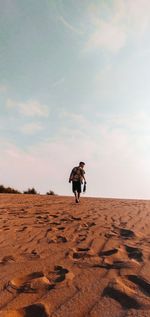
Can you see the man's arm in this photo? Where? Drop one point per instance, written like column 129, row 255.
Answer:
column 84, row 176
column 84, row 179
column 71, row 175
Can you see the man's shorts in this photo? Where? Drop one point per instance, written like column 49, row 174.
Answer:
column 76, row 187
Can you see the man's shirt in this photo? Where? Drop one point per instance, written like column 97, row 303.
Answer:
column 77, row 174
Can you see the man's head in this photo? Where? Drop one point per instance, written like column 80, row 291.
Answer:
column 81, row 164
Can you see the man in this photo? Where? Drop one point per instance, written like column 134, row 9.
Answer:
column 77, row 177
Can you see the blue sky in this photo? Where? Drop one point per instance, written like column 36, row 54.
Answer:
column 74, row 85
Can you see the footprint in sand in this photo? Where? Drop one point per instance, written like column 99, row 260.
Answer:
column 81, row 237
column 37, row 282
column 47, row 231
column 115, row 265
column 22, row 229
column 122, row 223
column 61, row 239
column 33, row 255
column 79, row 253
column 60, row 274
column 143, row 284
column 35, row 310
column 57, row 239
column 115, row 258
column 86, row 226
column 75, row 218
column 42, row 219
column 126, row 233
column 108, row 252
column 65, row 220
column 5, row 228
column 134, row 253
column 110, row 234
column 31, row 283
column 7, row 259
column 54, row 216
column 125, row 295
column 55, row 223
column 61, row 228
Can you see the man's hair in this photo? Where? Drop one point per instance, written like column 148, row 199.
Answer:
column 81, row 163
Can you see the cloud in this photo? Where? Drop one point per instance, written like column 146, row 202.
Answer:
column 58, row 82
column 30, row 108
column 31, row 128
column 111, row 26
column 10, row 103
column 3, row 88
column 108, row 36
column 139, row 121
column 115, row 150
column 75, row 118
column 69, row 25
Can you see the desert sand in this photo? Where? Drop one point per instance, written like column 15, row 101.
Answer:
column 62, row 259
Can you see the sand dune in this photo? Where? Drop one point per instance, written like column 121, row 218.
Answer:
column 62, row 259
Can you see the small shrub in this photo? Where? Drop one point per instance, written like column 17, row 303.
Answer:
column 8, row 190
column 31, row 191
column 50, row 192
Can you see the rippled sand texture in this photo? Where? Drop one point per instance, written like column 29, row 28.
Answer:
column 62, row 259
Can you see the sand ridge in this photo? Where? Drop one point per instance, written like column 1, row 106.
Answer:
column 58, row 258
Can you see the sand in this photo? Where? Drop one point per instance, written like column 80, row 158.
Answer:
column 62, row 259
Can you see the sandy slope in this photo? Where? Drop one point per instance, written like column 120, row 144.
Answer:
column 58, row 258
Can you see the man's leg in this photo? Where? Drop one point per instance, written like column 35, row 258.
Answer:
column 74, row 190
column 76, row 196
column 79, row 191
column 76, row 186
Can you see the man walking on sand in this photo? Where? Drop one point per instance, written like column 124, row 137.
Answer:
column 77, row 177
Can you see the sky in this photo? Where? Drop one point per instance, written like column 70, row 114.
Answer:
column 74, row 86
